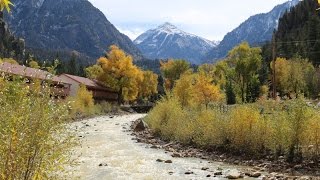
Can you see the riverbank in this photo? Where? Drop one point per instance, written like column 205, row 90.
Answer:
column 107, row 150
column 278, row 169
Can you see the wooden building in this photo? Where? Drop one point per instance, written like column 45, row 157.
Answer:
column 99, row 92
column 59, row 87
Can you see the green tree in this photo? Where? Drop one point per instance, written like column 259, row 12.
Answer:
column 93, row 72
column 34, row 64
column 247, row 62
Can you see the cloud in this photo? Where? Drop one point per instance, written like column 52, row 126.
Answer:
column 132, row 33
column 208, row 18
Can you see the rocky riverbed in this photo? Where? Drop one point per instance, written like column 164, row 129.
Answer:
column 266, row 168
column 108, row 149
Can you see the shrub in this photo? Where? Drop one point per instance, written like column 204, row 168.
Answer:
column 244, row 127
column 82, row 104
column 166, row 117
column 34, row 140
column 290, row 128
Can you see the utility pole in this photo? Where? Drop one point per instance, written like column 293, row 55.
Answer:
column 274, row 89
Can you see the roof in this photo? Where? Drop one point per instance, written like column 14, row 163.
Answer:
column 29, row 72
column 88, row 82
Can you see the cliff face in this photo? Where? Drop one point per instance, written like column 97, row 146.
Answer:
column 10, row 46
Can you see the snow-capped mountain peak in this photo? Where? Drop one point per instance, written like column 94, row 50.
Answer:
column 168, row 41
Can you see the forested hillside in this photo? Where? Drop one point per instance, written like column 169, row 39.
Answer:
column 298, row 33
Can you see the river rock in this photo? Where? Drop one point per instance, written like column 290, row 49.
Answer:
column 204, row 168
column 305, row 178
column 234, row 174
column 154, row 147
column 141, row 126
column 159, row 160
column 103, row 164
column 255, row 174
column 176, row 155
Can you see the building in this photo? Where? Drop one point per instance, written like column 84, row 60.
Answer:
column 59, row 87
column 99, row 92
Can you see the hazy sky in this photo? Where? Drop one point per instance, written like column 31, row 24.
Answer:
column 211, row 19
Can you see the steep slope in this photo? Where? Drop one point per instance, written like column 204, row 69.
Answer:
column 256, row 30
column 299, row 32
column 167, row 41
column 10, row 46
column 67, row 25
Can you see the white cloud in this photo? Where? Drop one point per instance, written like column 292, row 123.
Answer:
column 132, row 33
column 208, row 18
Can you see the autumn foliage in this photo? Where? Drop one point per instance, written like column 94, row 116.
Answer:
column 5, row 4
column 34, row 140
column 118, row 72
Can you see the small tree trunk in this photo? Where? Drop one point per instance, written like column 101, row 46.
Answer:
column 120, row 97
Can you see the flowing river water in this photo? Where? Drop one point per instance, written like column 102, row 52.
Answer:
column 107, row 151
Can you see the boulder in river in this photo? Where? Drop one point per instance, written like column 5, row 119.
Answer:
column 234, row 174
column 140, row 126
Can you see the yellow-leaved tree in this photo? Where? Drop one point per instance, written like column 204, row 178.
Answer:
column 183, row 89
column 5, row 4
column 149, row 85
column 205, row 91
column 118, row 72
column 172, row 70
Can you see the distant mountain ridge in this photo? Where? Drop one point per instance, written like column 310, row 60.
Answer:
column 256, row 30
column 66, row 25
column 167, row 41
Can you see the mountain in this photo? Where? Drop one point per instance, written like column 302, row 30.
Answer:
column 256, row 30
column 167, row 41
column 66, row 25
column 10, row 46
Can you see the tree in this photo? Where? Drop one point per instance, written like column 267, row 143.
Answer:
column 149, row 84
column 230, row 94
column 282, row 70
column 94, row 71
column 172, row 70
column 5, row 4
column 53, row 67
column 204, row 91
column 247, row 62
column 295, row 76
column 183, row 89
column 34, row 64
column 120, row 74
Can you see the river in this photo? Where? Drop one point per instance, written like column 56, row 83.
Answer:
column 107, row 151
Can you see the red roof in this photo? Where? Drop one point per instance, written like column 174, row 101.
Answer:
column 29, row 72
column 88, row 82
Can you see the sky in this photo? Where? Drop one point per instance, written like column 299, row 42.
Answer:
column 211, row 19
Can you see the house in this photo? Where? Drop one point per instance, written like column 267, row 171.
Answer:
column 59, row 87
column 99, row 92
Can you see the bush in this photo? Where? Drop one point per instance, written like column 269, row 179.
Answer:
column 34, row 140
column 290, row 129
